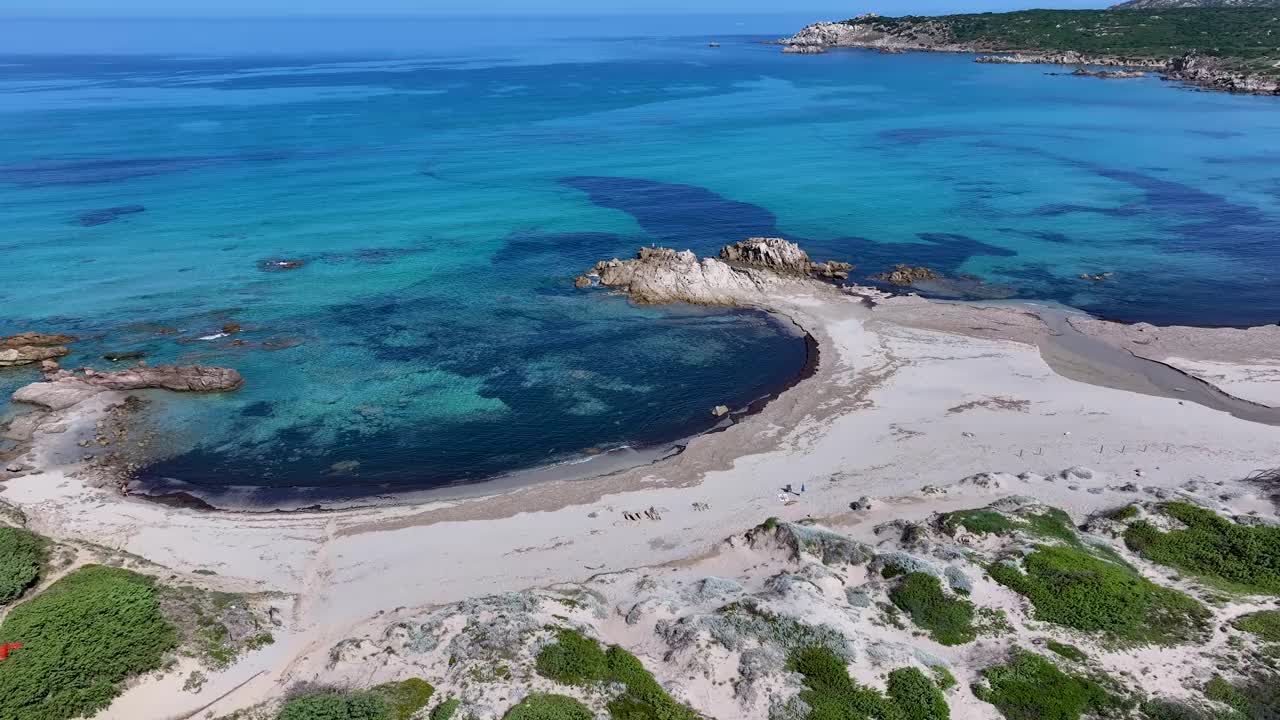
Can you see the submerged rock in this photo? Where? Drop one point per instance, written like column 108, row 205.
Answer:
column 904, row 275
column 106, row 215
column 279, row 264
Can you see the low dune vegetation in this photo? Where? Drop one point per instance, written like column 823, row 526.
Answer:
column 1242, row 558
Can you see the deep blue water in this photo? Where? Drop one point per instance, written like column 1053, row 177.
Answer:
column 444, row 191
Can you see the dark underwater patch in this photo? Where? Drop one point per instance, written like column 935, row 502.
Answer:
column 686, row 216
column 103, row 216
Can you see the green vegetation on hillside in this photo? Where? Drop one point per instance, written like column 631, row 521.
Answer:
column 81, row 638
column 1238, row 557
column 1264, row 623
column 1248, row 35
column 22, row 559
column 575, row 659
column 832, row 695
column 1071, row 587
column 948, row 619
column 546, row 706
column 389, row 701
column 1030, row 687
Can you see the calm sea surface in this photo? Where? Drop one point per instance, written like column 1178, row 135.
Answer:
column 444, row 180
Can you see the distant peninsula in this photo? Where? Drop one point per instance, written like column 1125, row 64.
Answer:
column 1226, row 47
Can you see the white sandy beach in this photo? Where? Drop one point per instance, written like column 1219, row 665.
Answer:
column 898, row 404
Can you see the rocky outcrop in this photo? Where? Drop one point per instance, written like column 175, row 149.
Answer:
column 869, row 31
column 745, row 272
column 1109, row 74
column 180, row 378
column 804, row 50
column 62, row 389
column 904, row 275
column 1211, row 73
column 1068, row 58
column 31, row 347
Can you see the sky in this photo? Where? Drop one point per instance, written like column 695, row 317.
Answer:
column 250, row 8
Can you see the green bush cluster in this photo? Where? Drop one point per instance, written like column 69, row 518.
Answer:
column 22, row 559
column 389, row 701
column 948, row 619
column 1030, row 687
column 1264, row 623
column 546, row 706
column 981, row 522
column 1238, row 557
column 1071, row 587
column 81, row 638
column 1067, row 650
column 335, row 705
column 1253, row 697
column 832, row 695
column 575, row 659
column 446, row 709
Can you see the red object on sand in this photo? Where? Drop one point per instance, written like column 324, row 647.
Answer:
column 5, row 648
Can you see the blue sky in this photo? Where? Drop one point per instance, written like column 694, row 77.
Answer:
column 241, row 8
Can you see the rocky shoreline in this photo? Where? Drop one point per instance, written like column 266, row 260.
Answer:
column 868, row 32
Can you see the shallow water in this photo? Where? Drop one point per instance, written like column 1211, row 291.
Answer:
column 444, row 196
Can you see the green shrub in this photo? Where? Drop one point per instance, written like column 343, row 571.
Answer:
column 1128, row 512
column 1066, row 650
column 446, row 709
column 949, row 620
column 1238, row 557
column 981, row 522
column 945, row 679
column 1173, row 710
column 406, row 697
column 22, row 558
column 1219, row 690
column 572, row 660
column 335, row 705
column 545, row 706
column 916, row 696
column 1030, row 687
column 577, row 660
column 81, row 638
column 1071, row 587
column 832, row 695
column 1264, row 623
column 1053, row 523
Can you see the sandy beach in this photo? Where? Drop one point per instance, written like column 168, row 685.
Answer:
column 909, row 400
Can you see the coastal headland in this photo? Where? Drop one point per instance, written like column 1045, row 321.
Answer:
column 1230, row 49
column 806, row 527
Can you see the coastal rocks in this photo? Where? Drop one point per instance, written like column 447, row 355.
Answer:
column 804, row 50
column 58, row 395
column 179, row 378
column 1096, row 277
column 720, row 410
column 904, row 275
column 870, row 31
column 31, row 347
column 783, row 257
column 1070, row 57
column 1210, row 73
column 749, row 270
column 1109, row 74
column 105, row 215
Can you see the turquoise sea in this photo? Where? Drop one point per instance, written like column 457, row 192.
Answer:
column 444, row 180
